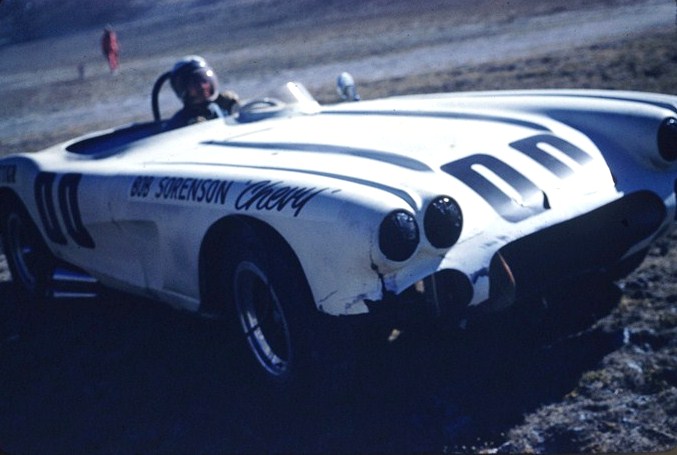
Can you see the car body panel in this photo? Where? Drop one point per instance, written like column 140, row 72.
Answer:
column 132, row 207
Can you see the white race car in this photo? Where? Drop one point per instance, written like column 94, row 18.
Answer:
column 289, row 214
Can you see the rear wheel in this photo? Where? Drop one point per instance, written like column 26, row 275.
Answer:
column 29, row 260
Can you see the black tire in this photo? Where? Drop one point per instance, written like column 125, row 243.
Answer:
column 30, row 261
column 288, row 345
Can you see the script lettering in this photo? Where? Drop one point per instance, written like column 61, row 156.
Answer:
column 267, row 195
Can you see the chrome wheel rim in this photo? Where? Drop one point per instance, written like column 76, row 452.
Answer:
column 262, row 319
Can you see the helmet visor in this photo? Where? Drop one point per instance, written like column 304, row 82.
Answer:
column 201, row 87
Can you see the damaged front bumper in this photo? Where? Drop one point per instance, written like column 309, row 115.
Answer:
column 609, row 242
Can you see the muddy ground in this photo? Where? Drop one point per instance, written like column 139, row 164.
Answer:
column 119, row 374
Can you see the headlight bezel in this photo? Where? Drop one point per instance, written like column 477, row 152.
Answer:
column 399, row 235
column 443, row 222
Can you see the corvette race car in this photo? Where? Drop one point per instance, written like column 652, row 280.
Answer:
column 289, row 217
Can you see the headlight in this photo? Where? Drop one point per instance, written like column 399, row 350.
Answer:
column 443, row 222
column 667, row 139
column 398, row 235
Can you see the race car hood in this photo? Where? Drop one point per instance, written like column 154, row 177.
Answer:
column 554, row 141
column 403, row 145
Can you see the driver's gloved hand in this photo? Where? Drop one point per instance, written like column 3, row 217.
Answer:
column 228, row 101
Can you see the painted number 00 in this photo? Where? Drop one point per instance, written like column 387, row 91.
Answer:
column 67, row 197
column 533, row 199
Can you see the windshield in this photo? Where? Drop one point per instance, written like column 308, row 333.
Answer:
column 294, row 93
column 290, row 99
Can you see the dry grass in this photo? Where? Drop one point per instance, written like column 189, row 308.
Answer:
column 647, row 64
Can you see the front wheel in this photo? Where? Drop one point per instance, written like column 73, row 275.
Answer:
column 287, row 342
column 263, row 320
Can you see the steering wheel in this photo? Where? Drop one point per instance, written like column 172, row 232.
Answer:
column 262, row 104
column 260, row 109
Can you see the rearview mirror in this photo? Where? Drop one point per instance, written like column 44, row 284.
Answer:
column 345, row 86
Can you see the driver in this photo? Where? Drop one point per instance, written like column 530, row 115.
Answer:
column 197, row 86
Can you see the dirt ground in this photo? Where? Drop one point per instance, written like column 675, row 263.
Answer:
column 121, row 374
